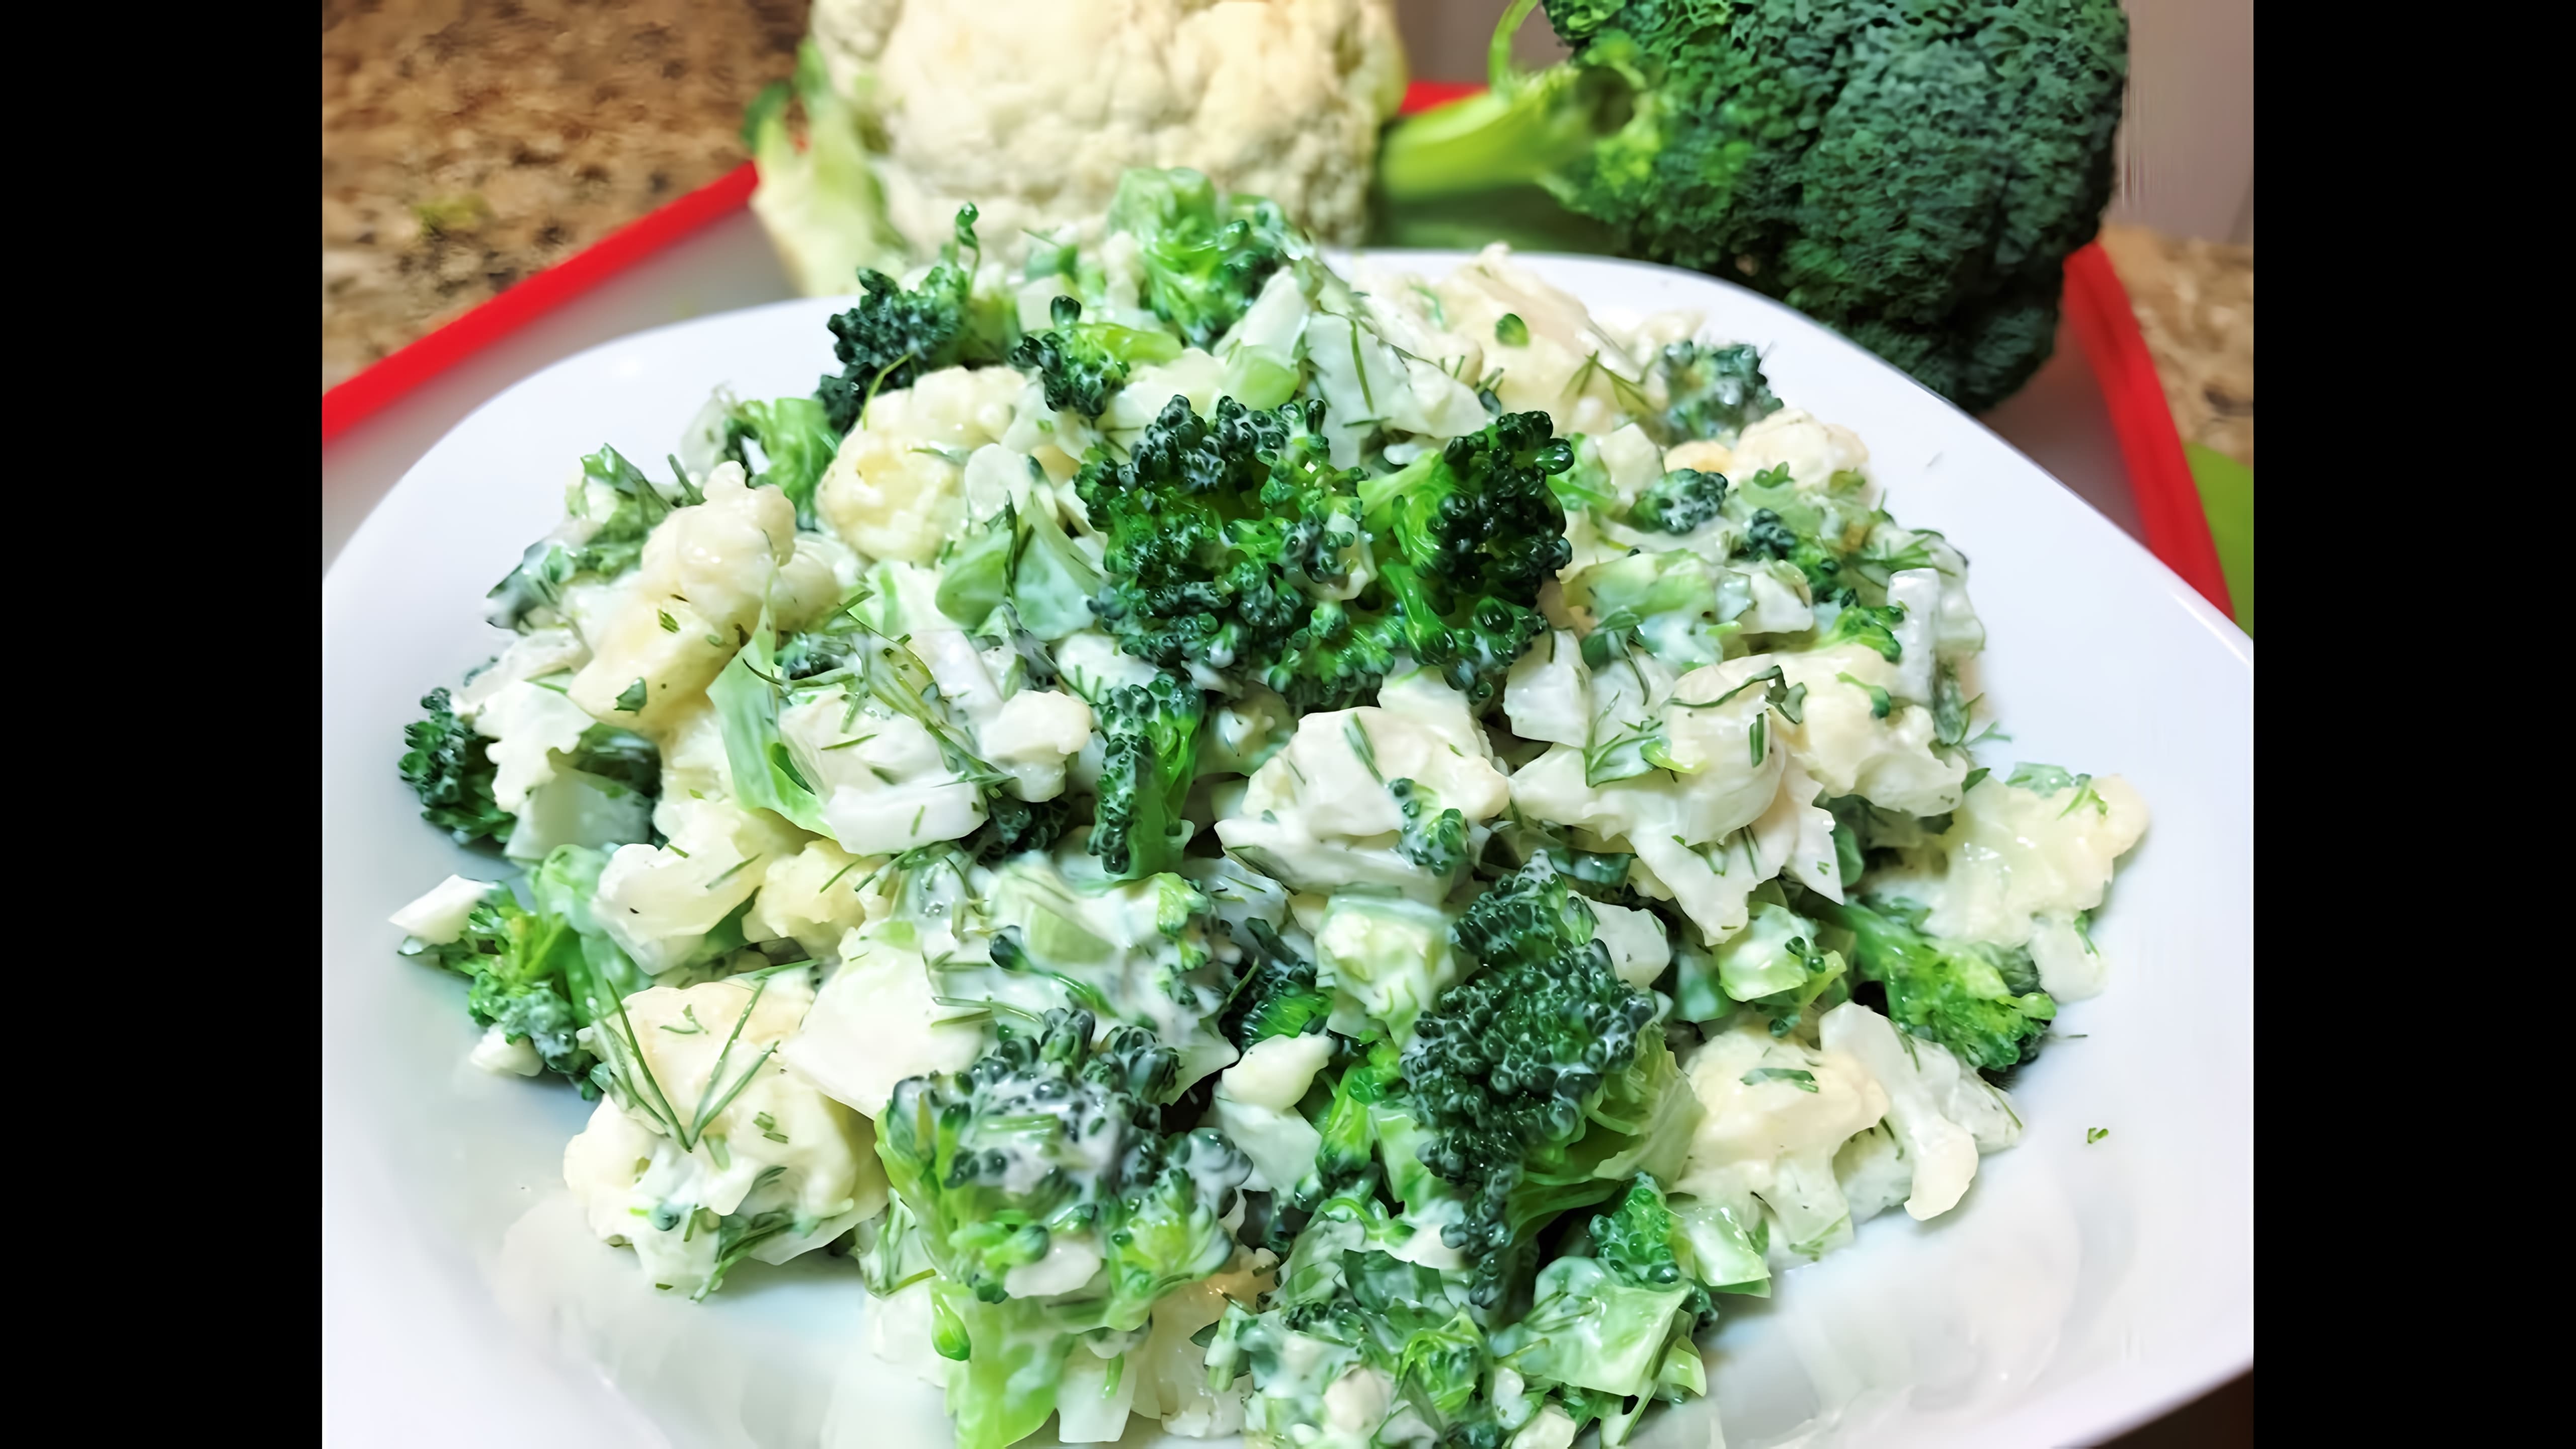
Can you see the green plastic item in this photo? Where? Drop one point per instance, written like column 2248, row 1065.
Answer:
column 2227, row 496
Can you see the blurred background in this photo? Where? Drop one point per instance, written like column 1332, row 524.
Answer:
column 469, row 143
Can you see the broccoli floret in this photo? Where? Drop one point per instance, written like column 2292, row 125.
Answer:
column 1711, row 392
column 1205, row 258
column 448, row 766
column 634, row 503
column 894, row 336
column 1214, row 528
column 1982, row 1002
column 1227, row 537
column 1912, row 176
column 1276, row 994
column 1435, row 840
column 1873, row 626
column 540, row 975
column 796, row 441
column 1640, row 1241
column 1012, row 826
column 1678, row 502
column 1506, row 1069
column 1149, row 751
column 1081, row 363
column 1465, row 537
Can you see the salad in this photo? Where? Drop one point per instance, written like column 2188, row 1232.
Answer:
column 1343, row 859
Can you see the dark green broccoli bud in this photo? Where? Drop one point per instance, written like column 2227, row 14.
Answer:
column 1205, row 259
column 1149, row 755
column 1680, row 501
column 1713, row 392
column 893, row 336
column 1465, row 537
column 612, row 547
column 1050, row 1135
column 1507, row 1068
column 1276, row 994
column 1012, row 826
column 1912, row 176
column 449, row 768
column 1435, row 840
column 1865, row 624
column 1081, row 363
column 1982, row 1002
column 1640, row 1241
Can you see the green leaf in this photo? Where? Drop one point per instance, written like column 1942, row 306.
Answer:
column 631, row 699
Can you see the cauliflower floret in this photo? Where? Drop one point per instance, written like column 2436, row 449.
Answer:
column 533, row 655
column 896, row 488
column 1321, row 814
column 658, row 902
column 1889, row 762
column 1279, row 98
column 777, row 1144
column 875, row 1023
column 528, row 725
column 1564, row 340
column 1776, row 1112
column 1943, row 1114
column 2023, row 863
column 817, row 896
column 706, row 571
column 1814, row 451
column 1033, row 735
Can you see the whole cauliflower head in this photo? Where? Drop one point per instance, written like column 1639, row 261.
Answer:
column 1032, row 110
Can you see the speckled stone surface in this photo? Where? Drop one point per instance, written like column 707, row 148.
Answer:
column 467, row 143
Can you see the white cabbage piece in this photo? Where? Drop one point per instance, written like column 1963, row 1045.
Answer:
column 437, row 918
column 875, row 1022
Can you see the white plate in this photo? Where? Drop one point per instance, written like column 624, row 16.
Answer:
column 2079, row 1289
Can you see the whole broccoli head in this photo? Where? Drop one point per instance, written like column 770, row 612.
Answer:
column 1913, row 176
column 1508, row 1067
column 449, row 767
column 1149, row 754
column 1051, row 1140
column 1081, row 363
column 893, row 336
column 1982, row 1002
column 1205, row 258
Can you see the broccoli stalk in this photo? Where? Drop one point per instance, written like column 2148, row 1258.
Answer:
column 1912, row 176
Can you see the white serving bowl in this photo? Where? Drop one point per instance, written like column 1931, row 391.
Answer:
column 2078, row 1290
